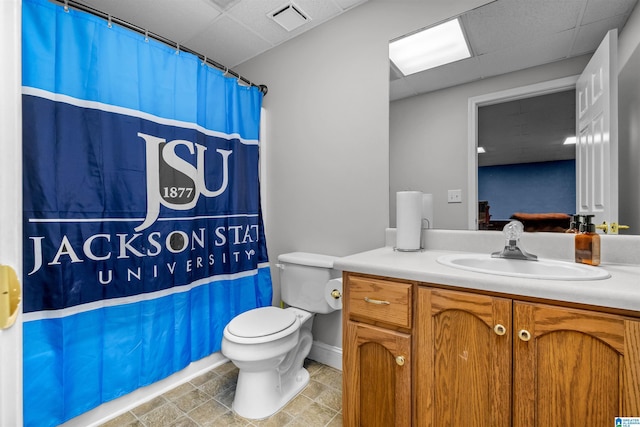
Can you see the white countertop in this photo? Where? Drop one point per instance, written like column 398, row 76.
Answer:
column 621, row 290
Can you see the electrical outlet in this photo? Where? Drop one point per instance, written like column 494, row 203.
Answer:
column 455, row 196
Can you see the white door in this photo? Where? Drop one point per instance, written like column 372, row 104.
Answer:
column 597, row 134
column 11, row 203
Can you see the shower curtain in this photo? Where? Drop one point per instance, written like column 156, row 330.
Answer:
column 143, row 234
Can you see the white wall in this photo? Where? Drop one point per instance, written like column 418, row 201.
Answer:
column 428, row 138
column 629, row 123
column 328, row 106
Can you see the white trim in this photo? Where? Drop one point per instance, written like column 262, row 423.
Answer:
column 475, row 102
column 96, row 305
column 263, row 164
column 326, row 354
column 190, row 218
column 57, row 97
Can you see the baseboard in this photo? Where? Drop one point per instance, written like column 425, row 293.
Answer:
column 326, row 354
column 114, row 408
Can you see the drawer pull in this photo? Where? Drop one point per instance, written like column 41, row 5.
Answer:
column 524, row 335
column 376, row 301
column 499, row 329
column 400, row 360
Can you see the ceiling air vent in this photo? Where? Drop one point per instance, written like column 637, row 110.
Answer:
column 289, row 17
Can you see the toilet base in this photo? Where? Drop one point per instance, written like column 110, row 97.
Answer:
column 260, row 395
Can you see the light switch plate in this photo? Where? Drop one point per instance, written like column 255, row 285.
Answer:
column 455, row 196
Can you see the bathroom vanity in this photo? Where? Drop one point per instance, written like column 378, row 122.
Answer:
column 426, row 344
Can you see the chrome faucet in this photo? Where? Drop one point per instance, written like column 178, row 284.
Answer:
column 512, row 232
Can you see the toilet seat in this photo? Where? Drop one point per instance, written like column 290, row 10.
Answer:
column 261, row 325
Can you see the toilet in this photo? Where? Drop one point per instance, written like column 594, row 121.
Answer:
column 269, row 344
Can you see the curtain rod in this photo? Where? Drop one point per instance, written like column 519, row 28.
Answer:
column 157, row 37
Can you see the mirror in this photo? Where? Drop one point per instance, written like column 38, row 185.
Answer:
column 428, row 111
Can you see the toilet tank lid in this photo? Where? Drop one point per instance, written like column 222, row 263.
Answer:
column 308, row 259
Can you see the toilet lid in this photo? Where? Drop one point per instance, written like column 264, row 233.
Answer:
column 261, row 322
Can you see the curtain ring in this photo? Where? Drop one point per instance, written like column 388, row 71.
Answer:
column 177, row 48
column 204, row 60
column 146, row 36
column 243, row 83
column 109, row 24
column 66, row 6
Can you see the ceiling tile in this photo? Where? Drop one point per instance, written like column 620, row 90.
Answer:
column 541, row 51
column 172, row 19
column 597, row 10
column 319, row 10
column 518, row 21
column 347, row 4
column 227, row 42
column 224, row 4
column 592, row 34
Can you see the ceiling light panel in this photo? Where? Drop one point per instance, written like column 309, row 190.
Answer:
column 430, row 48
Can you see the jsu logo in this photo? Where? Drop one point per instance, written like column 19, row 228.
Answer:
column 181, row 190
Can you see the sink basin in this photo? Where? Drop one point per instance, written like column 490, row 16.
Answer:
column 544, row 269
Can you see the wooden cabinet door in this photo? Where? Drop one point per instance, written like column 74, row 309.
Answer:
column 574, row 367
column 463, row 359
column 376, row 377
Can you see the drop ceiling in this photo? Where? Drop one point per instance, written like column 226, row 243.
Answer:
column 528, row 130
column 229, row 32
column 511, row 35
column 505, row 35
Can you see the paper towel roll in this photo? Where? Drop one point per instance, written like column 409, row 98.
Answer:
column 427, row 210
column 333, row 285
column 408, row 220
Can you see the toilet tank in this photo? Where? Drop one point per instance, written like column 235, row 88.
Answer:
column 303, row 277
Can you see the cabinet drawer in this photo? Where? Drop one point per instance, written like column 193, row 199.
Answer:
column 380, row 300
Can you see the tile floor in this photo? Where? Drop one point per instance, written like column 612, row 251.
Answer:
column 206, row 401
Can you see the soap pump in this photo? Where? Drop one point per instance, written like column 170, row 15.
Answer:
column 574, row 226
column 587, row 243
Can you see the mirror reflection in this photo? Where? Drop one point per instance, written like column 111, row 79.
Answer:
column 514, row 44
column 526, row 162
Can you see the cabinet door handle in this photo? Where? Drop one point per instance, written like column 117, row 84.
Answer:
column 524, row 335
column 376, row 301
column 499, row 329
column 400, row 360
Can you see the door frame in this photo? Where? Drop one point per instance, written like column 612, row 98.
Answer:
column 11, row 209
column 514, row 94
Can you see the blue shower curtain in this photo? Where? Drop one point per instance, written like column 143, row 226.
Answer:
column 143, row 234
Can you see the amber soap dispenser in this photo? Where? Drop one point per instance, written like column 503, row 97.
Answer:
column 574, row 227
column 587, row 243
